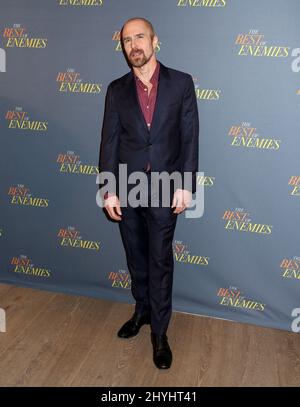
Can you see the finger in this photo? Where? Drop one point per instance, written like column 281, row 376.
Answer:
column 115, row 213
column 179, row 203
column 118, row 210
column 112, row 213
column 174, row 201
column 177, row 206
column 182, row 208
column 178, row 209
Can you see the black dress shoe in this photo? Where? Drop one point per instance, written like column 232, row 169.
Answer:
column 132, row 327
column 162, row 355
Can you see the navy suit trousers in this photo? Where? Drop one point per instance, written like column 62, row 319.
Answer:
column 147, row 234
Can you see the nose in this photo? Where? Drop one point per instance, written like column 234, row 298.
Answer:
column 133, row 44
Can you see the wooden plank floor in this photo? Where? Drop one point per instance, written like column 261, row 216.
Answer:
column 62, row 340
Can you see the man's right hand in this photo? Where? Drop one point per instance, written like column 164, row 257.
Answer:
column 113, row 207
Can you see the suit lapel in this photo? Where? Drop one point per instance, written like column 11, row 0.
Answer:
column 161, row 98
column 132, row 100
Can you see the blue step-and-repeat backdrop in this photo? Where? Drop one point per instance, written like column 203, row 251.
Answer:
column 239, row 261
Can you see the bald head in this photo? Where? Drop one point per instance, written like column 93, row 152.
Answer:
column 145, row 22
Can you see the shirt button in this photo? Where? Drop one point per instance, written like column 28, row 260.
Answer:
column 147, row 107
column 145, row 89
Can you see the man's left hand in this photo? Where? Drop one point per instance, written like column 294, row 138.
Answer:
column 181, row 200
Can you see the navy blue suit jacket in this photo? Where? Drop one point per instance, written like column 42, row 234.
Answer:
column 171, row 144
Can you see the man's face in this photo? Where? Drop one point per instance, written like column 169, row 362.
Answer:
column 137, row 42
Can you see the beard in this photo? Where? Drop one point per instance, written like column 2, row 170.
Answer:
column 138, row 58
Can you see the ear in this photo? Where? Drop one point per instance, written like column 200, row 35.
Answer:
column 155, row 41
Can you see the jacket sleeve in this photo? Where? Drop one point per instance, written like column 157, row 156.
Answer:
column 190, row 133
column 110, row 134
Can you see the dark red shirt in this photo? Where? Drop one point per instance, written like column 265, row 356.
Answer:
column 147, row 102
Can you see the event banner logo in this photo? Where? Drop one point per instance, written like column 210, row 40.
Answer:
column 244, row 135
column 80, row 3
column 117, row 39
column 206, row 181
column 70, row 237
column 291, row 268
column 19, row 119
column 24, row 265
column 71, row 163
column 182, row 255
column 254, row 44
column 18, row 37
column 120, row 279
column 71, row 82
column 21, row 195
column 201, row 3
column 205, row 94
column 240, row 220
column 233, row 297
column 294, row 181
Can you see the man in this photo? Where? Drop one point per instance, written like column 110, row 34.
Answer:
column 150, row 124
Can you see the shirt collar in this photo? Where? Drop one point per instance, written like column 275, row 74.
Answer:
column 155, row 75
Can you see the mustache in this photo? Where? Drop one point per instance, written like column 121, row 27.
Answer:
column 140, row 51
